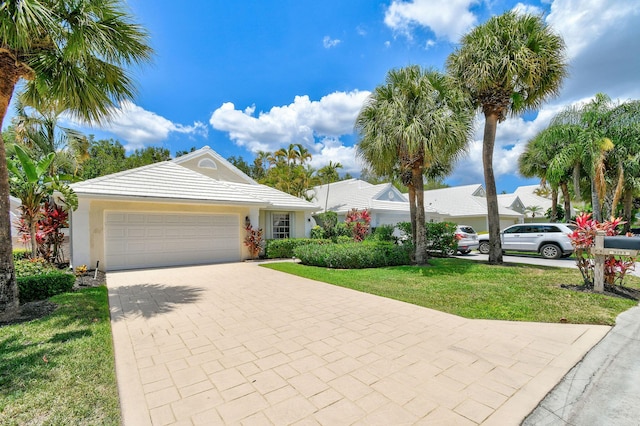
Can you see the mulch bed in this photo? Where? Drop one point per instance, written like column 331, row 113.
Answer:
column 609, row 290
column 41, row 308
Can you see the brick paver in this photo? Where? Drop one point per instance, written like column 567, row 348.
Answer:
column 241, row 344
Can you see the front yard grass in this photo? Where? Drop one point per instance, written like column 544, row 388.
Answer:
column 59, row 370
column 476, row 290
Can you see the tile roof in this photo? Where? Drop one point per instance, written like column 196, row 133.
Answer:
column 466, row 200
column 355, row 193
column 170, row 181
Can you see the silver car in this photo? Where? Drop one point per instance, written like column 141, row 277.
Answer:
column 467, row 239
column 551, row 240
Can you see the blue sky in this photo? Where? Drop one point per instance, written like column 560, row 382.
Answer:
column 254, row 75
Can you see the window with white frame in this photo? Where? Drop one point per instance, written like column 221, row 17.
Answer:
column 281, row 225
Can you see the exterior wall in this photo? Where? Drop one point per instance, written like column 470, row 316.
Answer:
column 219, row 173
column 389, row 219
column 478, row 223
column 300, row 226
column 88, row 224
column 504, row 222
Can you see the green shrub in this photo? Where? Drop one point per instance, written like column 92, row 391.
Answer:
column 343, row 239
column 284, row 247
column 367, row 254
column 21, row 254
column 384, row 233
column 317, row 233
column 342, row 230
column 29, row 267
column 440, row 237
column 43, row 286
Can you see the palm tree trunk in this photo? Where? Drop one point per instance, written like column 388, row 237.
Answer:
column 9, row 76
column 627, row 209
column 421, row 243
column 595, row 202
column 567, row 201
column 489, row 139
column 412, row 214
column 554, row 204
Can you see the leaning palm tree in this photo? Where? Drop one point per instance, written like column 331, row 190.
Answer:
column 75, row 52
column 328, row 174
column 416, row 121
column 510, row 64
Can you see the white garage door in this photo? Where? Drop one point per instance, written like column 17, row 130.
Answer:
column 143, row 240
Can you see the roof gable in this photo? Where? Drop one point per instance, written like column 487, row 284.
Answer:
column 209, row 163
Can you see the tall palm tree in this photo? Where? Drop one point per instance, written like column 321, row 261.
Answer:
column 328, row 174
column 510, row 64
column 75, row 52
column 417, row 120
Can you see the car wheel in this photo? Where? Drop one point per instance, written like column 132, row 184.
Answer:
column 465, row 251
column 550, row 251
column 450, row 252
column 484, row 247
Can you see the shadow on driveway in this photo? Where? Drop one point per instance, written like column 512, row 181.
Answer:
column 149, row 300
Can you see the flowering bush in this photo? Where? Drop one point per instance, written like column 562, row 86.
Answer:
column 583, row 238
column 49, row 236
column 254, row 240
column 358, row 222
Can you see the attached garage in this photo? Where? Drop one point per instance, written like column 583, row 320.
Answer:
column 144, row 240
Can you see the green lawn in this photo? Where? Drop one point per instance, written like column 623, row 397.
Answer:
column 476, row 290
column 59, row 370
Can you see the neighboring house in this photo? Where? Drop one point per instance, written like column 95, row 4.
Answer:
column 191, row 210
column 386, row 205
column 528, row 196
column 467, row 205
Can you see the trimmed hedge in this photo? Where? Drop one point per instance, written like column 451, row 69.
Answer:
column 284, row 247
column 21, row 254
column 43, row 286
column 353, row 255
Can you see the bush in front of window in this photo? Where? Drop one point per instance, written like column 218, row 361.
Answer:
column 367, row 254
column 284, row 247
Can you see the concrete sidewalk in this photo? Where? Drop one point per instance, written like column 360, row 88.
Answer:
column 241, row 344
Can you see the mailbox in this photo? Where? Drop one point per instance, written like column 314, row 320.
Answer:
column 622, row 242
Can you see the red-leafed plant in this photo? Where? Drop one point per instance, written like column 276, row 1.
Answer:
column 254, row 240
column 48, row 231
column 583, row 238
column 358, row 221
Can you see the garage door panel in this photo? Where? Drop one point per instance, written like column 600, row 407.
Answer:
column 135, row 240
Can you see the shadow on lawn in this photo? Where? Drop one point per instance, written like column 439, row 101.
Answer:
column 149, row 300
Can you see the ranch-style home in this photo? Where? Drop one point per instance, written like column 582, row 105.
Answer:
column 187, row 211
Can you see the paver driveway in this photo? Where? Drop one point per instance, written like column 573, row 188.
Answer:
column 241, row 344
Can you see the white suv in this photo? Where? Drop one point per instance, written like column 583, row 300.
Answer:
column 551, row 240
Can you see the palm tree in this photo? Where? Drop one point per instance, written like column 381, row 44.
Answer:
column 417, row 120
column 328, row 174
column 41, row 133
column 510, row 64
column 533, row 210
column 71, row 52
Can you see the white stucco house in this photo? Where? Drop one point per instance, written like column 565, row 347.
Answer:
column 386, row 204
column 14, row 215
column 467, row 205
column 190, row 210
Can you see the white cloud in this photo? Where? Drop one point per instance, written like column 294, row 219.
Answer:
column 317, row 125
column 448, row 20
column 136, row 127
column 527, row 8
column 328, row 42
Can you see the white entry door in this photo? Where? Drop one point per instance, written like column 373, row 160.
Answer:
column 145, row 240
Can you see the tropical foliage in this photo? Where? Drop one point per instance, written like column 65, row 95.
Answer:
column 415, row 125
column 510, row 64
column 583, row 239
column 75, row 55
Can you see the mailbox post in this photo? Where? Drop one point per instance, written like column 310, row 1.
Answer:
column 607, row 246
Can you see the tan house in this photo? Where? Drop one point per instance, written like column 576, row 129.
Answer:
column 191, row 210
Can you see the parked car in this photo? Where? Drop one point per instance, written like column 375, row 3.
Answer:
column 467, row 239
column 551, row 240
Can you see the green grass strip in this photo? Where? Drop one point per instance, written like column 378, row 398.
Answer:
column 478, row 290
column 59, row 370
